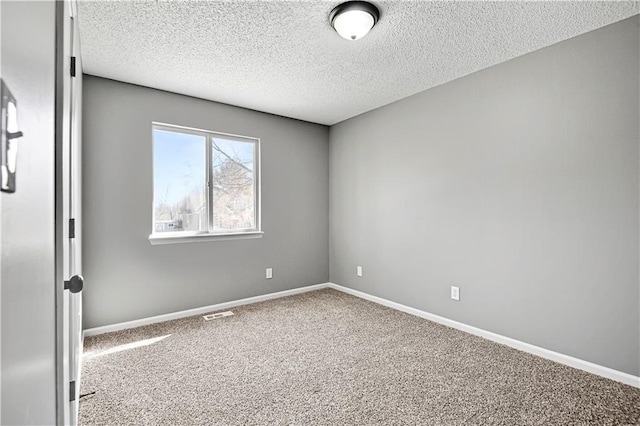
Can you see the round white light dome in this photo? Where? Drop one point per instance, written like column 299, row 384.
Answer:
column 353, row 24
column 354, row 19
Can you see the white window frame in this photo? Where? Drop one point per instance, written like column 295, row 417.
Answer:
column 209, row 234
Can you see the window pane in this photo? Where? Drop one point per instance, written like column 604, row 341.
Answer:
column 233, row 188
column 179, row 182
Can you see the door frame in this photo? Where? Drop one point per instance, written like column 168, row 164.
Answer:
column 75, row 211
column 67, row 197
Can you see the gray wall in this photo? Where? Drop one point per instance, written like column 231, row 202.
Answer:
column 28, row 252
column 126, row 278
column 519, row 184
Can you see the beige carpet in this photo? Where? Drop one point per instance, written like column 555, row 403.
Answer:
column 327, row 358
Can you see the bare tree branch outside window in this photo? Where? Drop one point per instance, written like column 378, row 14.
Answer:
column 182, row 200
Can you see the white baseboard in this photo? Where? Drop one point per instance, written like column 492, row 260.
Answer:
column 199, row 311
column 587, row 366
column 580, row 364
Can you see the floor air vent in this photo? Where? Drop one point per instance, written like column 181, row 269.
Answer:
column 217, row 315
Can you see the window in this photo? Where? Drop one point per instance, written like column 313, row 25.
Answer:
column 205, row 184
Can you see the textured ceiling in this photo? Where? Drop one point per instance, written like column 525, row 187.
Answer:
column 284, row 58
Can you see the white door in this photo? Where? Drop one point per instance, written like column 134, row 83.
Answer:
column 68, row 213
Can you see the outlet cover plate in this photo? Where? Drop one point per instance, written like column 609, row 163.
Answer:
column 455, row 293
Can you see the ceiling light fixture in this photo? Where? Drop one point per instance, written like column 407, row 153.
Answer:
column 354, row 19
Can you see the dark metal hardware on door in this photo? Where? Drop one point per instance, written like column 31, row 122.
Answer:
column 75, row 284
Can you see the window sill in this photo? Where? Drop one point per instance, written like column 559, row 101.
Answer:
column 158, row 239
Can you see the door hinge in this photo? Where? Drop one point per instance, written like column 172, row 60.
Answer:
column 73, row 66
column 72, row 228
column 72, row 391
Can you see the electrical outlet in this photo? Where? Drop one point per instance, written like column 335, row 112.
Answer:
column 455, row 293
column 269, row 273
column 359, row 271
